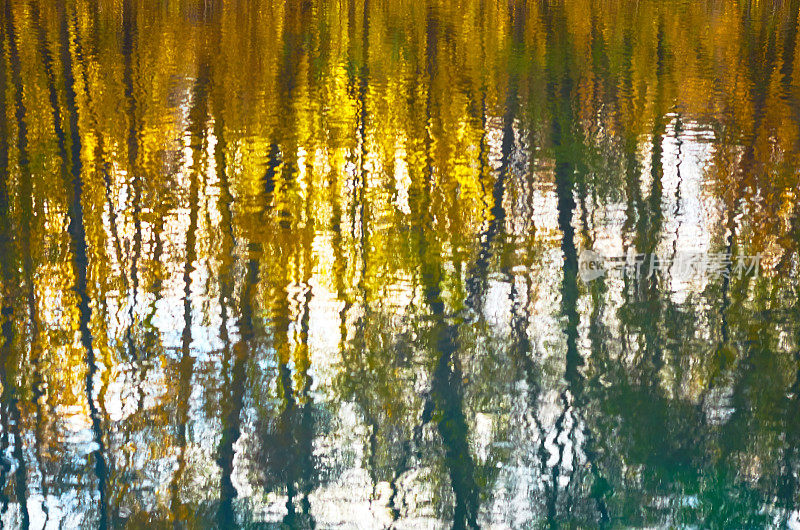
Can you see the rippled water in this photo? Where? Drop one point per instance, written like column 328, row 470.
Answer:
column 321, row 263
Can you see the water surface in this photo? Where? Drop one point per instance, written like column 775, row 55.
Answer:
column 315, row 263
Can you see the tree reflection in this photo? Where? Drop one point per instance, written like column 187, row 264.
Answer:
column 316, row 263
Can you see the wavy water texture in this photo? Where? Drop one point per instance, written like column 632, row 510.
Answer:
column 316, row 264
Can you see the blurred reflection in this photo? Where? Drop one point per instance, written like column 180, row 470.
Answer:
column 314, row 263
